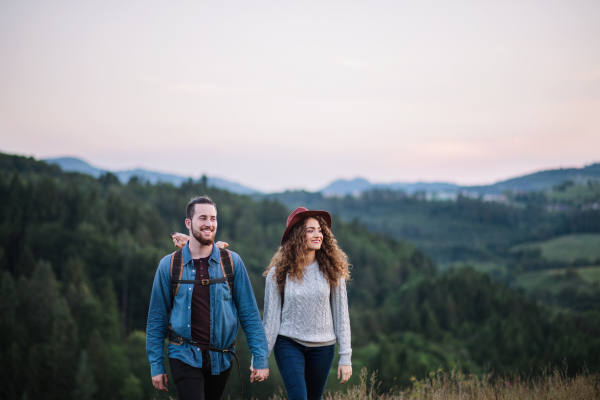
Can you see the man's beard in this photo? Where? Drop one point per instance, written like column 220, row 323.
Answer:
column 204, row 242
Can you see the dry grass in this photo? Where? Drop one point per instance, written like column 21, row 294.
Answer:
column 555, row 385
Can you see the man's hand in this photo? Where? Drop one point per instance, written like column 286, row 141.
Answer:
column 344, row 371
column 180, row 239
column 258, row 375
column 161, row 382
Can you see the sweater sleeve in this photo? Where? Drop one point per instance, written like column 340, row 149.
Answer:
column 272, row 311
column 341, row 321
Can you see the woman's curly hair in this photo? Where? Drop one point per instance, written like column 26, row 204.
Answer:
column 291, row 256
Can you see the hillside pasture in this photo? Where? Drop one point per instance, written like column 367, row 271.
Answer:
column 576, row 194
column 567, row 248
column 584, row 279
column 590, row 274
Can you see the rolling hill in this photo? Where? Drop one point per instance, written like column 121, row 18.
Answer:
column 538, row 181
column 72, row 164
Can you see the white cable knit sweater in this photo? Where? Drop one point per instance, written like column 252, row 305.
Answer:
column 311, row 314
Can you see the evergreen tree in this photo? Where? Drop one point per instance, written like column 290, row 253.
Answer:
column 64, row 343
column 85, row 382
column 26, row 263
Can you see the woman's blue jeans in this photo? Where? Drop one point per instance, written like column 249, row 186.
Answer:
column 304, row 369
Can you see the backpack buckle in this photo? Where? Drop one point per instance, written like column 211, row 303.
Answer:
column 204, row 282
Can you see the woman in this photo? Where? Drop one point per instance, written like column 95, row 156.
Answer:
column 306, row 305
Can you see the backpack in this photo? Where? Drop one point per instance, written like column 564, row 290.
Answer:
column 177, row 271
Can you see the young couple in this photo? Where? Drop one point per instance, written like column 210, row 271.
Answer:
column 201, row 291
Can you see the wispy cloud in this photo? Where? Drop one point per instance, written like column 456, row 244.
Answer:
column 147, row 78
column 587, row 76
column 454, row 149
column 192, row 88
column 209, row 89
column 352, row 63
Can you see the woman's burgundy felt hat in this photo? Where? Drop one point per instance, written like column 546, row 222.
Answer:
column 298, row 215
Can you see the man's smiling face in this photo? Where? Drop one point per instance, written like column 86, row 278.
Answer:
column 203, row 226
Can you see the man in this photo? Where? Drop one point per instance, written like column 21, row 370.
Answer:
column 203, row 315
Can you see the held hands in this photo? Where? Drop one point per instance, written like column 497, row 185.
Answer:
column 161, row 382
column 180, row 239
column 258, row 375
column 344, row 371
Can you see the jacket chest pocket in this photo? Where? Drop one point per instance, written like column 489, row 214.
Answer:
column 224, row 289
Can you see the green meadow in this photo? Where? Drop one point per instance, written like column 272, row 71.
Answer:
column 584, row 279
column 568, row 248
column 575, row 194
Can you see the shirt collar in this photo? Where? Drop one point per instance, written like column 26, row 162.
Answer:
column 187, row 257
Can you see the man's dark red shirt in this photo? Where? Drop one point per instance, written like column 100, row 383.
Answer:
column 201, row 304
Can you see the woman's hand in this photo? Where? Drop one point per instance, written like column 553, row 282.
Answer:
column 258, row 375
column 180, row 239
column 345, row 372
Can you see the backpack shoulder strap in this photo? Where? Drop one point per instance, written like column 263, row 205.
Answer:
column 227, row 268
column 176, row 272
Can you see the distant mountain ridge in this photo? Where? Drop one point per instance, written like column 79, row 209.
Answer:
column 538, row 181
column 72, row 164
column 542, row 180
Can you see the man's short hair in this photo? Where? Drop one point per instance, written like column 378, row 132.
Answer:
column 189, row 212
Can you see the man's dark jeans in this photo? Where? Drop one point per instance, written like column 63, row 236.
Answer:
column 198, row 383
column 304, row 369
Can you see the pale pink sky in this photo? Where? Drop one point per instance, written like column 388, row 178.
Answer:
column 279, row 95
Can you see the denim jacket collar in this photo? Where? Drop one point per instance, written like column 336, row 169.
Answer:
column 187, row 256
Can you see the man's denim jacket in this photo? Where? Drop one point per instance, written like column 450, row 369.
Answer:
column 225, row 310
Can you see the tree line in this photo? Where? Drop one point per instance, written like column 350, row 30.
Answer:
column 468, row 229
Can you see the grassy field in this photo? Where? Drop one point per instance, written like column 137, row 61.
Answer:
column 556, row 385
column 584, row 279
column 590, row 274
column 568, row 248
column 576, row 194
